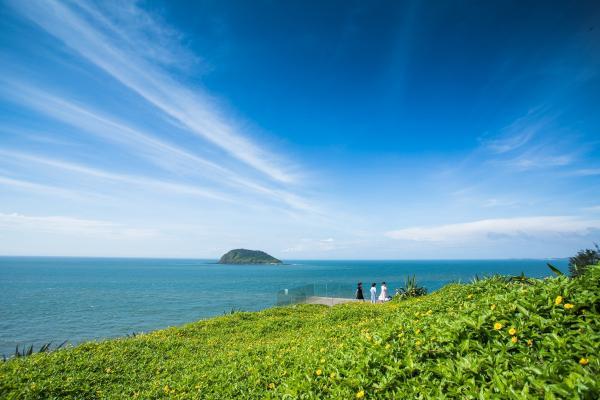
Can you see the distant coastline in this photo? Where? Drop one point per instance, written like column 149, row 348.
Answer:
column 214, row 260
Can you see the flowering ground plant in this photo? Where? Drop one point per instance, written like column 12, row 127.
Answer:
column 490, row 339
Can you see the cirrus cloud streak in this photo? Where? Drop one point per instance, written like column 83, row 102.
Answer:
column 498, row 228
column 100, row 41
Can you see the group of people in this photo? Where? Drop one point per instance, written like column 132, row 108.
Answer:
column 383, row 294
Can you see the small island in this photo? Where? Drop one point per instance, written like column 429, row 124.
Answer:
column 243, row 256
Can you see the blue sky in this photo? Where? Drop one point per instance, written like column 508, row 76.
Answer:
column 332, row 129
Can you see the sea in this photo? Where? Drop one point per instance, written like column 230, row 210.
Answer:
column 57, row 299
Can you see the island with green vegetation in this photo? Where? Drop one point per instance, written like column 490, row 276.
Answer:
column 499, row 337
column 243, row 256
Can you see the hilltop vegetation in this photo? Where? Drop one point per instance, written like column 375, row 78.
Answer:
column 494, row 338
column 243, row 256
column 580, row 262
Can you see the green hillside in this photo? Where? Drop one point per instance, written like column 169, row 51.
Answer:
column 489, row 339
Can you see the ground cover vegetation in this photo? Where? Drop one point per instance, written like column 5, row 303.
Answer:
column 492, row 338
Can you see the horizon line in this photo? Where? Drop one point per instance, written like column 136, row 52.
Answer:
column 290, row 259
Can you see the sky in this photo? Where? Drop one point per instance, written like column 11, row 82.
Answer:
column 310, row 130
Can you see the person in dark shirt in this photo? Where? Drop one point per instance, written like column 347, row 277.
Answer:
column 359, row 292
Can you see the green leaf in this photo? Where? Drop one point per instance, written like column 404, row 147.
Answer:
column 555, row 270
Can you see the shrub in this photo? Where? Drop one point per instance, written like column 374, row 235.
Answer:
column 27, row 351
column 582, row 260
column 410, row 289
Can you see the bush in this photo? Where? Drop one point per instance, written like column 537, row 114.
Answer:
column 580, row 263
column 27, row 351
column 410, row 289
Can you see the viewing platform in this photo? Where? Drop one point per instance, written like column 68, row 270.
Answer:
column 328, row 301
column 328, row 294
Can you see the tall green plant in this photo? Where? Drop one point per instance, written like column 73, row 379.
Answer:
column 410, row 289
column 27, row 351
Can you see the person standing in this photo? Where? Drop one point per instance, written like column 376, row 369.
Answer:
column 384, row 292
column 359, row 292
column 373, row 293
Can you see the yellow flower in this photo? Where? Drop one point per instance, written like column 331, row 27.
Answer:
column 322, row 361
column 318, row 372
column 493, row 307
column 529, row 342
column 387, row 346
column 498, row 326
column 166, row 389
column 360, row 394
column 558, row 300
column 512, row 331
column 322, row 350
column 271, row 386
column 514, row 339
column 332, row 375
column 108, row 370
column 418, row 343
column 418, row 331
column 584, row 361
column 470, row 296
column 568, row 306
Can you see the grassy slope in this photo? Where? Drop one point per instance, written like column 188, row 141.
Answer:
column 441, row 345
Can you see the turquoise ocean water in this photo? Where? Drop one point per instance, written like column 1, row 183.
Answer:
column 52, row 299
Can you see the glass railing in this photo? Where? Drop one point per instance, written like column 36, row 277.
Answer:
column 316, row 291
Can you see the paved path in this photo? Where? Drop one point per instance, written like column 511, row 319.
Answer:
column 328, row 301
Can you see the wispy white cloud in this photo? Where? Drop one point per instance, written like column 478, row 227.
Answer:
column 155, row 184
column 72, row 226
column 537, row 158
column 38, row 188
column 495, row 202
column 533, row 141
column 313, row 245
column 141, row 143
column 99, row 40
column 131, row 25
column 36, row 136
column 517, row 134
column 109, row 128
column 498, row 228
column 510, row 142
column 587, row 172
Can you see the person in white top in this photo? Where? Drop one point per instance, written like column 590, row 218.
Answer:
column 374, row 293
column 384, row 292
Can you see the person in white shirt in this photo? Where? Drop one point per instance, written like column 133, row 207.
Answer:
column 374, row 293
column 384, row 292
